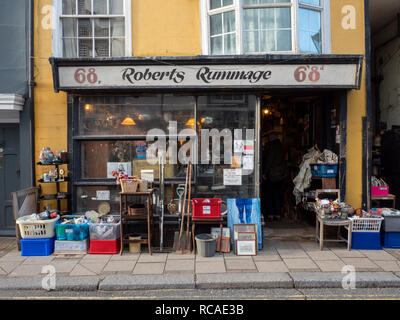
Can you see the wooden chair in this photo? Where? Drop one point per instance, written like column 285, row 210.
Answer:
column 24, row 203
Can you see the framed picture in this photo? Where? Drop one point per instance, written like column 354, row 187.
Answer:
column 125, row 167
column 245, row 211
column 246, row 247
column 223, row 244
column 247, row 236
column 243, row 228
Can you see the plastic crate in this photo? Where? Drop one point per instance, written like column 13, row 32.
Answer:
column 37, row 247
column 391, row 223
column 207, row 208
column 71, row 247
column 366, row 241
column 324, row 170
column 105, row 246
column 104, row 231
column 72, row 232
column 379, row 191
column 39, row 229
column 391, row 240
column 366, row 224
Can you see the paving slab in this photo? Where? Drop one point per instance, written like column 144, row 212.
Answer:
column 64, row 266
column 216, row 257
column 244, row 280
column 344, row 253
column 61, row 283
column 180, row 266
column 175, row 256
column 125, row 257
column 94, row 266
column 301, row 264
column 210, row 267
column 149, row 268
column 11, row 265
column 80, row 270
column 388, row 265
column 292, row 253
column 362, row 264
column 147, row 282
column 155, row 257
column 330, row 265
column 26, row 270
column 13, row 256
column 322, row 255
column 271, row 266
column 378, row 255
column 97, row 258
column 335, row 279
column 122, row 266
column 240, row 264
column 271, row 256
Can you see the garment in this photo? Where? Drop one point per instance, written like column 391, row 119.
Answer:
column 244, row 204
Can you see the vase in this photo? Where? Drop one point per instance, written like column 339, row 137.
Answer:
column 46, row 156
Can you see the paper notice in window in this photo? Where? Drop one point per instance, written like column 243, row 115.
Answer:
column 238, row 146
column 248, row 162
column 147, row 175
column 103, row 195
column 232, row 177
column 248, row 147
column 236, row 161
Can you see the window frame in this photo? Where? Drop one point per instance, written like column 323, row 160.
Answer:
column 239, row 7
column 57, row 36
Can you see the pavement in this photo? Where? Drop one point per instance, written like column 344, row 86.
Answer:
column 280, row 265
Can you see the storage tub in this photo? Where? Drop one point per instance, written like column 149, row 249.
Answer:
column 39, row 229
column 391, row 240
column 324, row 170
column 72, row 232
column 104, row 231
column 379, row 191
column 105, row 246
column 366, row 241
column 391, row 223
column 207, row 208
column 37, row 247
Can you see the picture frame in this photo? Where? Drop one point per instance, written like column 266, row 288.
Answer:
column 223, row 244
column 247, row 236
column 243, row 228
column 246, row 247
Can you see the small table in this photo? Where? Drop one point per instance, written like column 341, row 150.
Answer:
column 203, row 221
column 124, row 217
column 319, row 230
column 389, row 197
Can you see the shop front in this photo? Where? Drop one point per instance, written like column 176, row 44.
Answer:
column 212, row 112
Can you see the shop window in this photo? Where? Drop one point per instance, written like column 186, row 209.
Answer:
column 92, row 28
column 265, row 26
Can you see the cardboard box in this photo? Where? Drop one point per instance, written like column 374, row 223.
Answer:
column 71, row 247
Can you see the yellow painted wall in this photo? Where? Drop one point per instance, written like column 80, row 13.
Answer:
column 352, row 41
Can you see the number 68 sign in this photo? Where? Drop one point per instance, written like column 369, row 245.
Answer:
column 306, row 72
column 82, row 76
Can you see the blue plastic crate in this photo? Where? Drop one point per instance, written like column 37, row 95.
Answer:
column 37, row 247
column 366, row 241
column 72, row 232
column 324, row 170
column 391, row 240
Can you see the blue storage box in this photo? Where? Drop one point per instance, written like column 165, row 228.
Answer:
column 366, row 241
column 324, row 170
column 391, row 240
column 37, row 247
column 72, row 232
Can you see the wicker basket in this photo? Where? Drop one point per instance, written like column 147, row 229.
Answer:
column 129, row 185
column 140, row 211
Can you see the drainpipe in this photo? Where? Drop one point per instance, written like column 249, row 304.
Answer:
column 31, row 85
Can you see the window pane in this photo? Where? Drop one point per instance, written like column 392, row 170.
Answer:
column 214, row 4
column 118, row 48
column 105, row 115
column 86, row 198
column 230, row 44
column 100, row 7
column 310, row 39
column 312, row 2
column 85, row 48
column 84, row 28
column 84, row 7
column 101, row 47
column 227, row 2
column 216, row 24
column 229, row 21
column 118, row 27
column 69, row 27
column 263, row 28
column 116, row 6
column 69, row 48
column 249, row 2
column 101, row 27
column 216, row 45
column 69, row 7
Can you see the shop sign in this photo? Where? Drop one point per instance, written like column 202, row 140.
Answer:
column 209, row 76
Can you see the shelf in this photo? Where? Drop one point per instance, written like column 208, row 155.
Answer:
column 50, row 197
column 52, row 164
column 58, row 181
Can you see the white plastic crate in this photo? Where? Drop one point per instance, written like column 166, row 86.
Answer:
column 366, row 224
column 37, row 229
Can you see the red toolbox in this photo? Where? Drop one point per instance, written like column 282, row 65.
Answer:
column 206, row 208
column 105, row 246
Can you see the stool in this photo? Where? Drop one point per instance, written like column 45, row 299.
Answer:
column 389, row 197
column 319, row 230
column 203, row 221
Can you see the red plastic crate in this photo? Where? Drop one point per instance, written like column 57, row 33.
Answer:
column 105, row 246
column 379, row 191
column 207, row 208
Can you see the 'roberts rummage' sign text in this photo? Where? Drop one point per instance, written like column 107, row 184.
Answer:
column 209, row 76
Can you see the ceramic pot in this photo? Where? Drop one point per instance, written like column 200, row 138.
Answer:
column 46, row 156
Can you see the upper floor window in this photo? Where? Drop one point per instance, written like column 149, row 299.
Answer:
column 265, row 26
column 92, row 28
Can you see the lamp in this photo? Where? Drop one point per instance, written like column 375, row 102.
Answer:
column 128, row 121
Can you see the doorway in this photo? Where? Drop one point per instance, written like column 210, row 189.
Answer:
column 9, row 175
column 291, row 124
